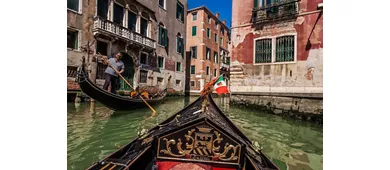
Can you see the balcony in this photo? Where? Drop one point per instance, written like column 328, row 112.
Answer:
column 276, row 11
column 101, row 25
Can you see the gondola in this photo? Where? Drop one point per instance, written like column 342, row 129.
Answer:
column 199, row 137
column 110, row 100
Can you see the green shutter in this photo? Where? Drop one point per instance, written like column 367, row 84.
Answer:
column 76, row 41
column 256, row 4
column 166, row 38
column 182, row 46
column 193, row 30
column 159, row 35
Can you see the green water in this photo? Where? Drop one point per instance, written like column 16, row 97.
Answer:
column 290, row 144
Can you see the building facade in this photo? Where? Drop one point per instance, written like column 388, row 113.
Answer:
column 277, row 51
column 277, row 47
column 207, row 46
column 150, row 35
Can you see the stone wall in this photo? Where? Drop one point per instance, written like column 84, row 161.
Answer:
column 303, row 75
column 310, row 109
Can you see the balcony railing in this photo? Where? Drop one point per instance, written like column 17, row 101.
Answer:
column 101, row 24
column 284, row 9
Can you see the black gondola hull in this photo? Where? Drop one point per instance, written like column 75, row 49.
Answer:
column 110, row 100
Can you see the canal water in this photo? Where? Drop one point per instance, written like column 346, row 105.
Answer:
column 91, row 135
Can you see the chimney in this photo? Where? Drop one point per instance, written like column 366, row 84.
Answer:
column 217, row 14
column 224, row 22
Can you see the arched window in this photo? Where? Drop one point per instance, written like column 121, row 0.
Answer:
column 162, row 35
column 179, row 43
column 132, row 18
column 144, row 24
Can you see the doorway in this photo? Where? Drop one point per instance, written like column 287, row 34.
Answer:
column 128, row 74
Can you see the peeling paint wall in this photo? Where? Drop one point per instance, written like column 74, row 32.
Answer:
column 304, row 75
column 83, row 23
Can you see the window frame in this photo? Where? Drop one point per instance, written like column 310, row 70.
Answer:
column 177, row 63
column 78, row 39
column 147, row 25
column 123, row 15
column 208, row 51
column 147, row 57
column 191, row 69
column 136, row 20
column 196, row 52
column 180, row 4
column 141, row 76
column 273, row 53
column 216, row 56
column 194, row 14
column 165, row 5
column 192, row 30
column 163, row 62
column 163, row 41
column 80, row 11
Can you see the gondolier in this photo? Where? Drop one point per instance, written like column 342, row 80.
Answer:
column 110, row 75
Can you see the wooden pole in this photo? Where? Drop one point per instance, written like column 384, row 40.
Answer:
column 117, row 72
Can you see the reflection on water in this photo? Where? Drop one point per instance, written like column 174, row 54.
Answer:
column 291, row 144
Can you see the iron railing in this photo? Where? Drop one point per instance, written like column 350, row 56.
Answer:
column 277, row 10
column 104, row 25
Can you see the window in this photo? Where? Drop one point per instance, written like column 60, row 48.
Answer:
column 227, row 44
column 263, row 51
column 118, row 14
column 216, row 25
column 179, row 44
column 207, row 53
column 222, row 31
column 144, row 27
column 161, row 3
column 160, row 62
column 73, row 39
column 132, row 21
column 194, row 16
column 215, row 57
column 215, row 72
column 144, row 58
column 220, row 41
column 194, row 51
column 73, row 5
column 207, row 70
column 160, row 81
column 192, row 83
column 101, row 68
column 101, row 48
column 209, row 19
column 215, row 37
column 285, row 49
column 102, row 8
column 180, row 12
column 178, row 66
column 208, row 32
column 143, row 77
column 193, row 30
column 162, row 36
column 192, row 69
column 178, row 83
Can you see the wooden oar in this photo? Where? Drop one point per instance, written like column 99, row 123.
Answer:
column 117, row 72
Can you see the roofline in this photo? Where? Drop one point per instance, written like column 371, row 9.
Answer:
column 209, row 12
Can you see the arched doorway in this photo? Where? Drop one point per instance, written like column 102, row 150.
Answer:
column 128, row 74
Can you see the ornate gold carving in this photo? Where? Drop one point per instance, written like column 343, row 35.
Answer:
column 202, row 143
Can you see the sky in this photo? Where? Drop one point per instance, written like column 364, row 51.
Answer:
column 224, row 7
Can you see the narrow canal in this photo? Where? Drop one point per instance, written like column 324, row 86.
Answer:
column 291, row 144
